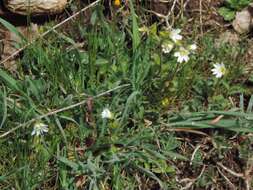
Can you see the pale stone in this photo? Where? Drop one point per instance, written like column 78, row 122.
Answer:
column 243, row 22
column 35, row 7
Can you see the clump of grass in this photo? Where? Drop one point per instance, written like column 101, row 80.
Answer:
column 125, row 72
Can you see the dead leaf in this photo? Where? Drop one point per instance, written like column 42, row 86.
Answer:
column 217, row 119
column 80, row 181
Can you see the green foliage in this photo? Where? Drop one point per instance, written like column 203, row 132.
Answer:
column 155, row 96
column 237, row 4
column 227, row 13
column 231, row 6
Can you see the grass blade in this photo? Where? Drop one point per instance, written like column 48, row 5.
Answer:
column 12, row 29
column 135, row 29
column 250, row 105
column 11, row 82
column 69, row 163
column 242, row 102
column 4, row 108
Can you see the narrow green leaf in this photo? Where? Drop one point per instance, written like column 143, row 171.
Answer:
column 12, row 28
column 242, row 102
column 11, row 82
column 250, row 105
column 135, row 29
column 152, row 175
column 128, row 103
column 4, row 107
column 69, row 163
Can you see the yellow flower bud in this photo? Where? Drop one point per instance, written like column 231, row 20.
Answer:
column 117, row 3
column 165, row 102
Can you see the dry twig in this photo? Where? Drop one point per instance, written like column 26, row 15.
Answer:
column 60, row 110
column 227, row 179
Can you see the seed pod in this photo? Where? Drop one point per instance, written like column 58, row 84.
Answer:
column 35, row 7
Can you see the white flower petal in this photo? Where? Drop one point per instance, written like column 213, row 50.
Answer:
column 182, row 55
column 219, row 70
column 106, row 114
column 175, row 35
column 193, row 47
column 45, row 130
column 177, row 54
column 167, row 47
column 186, row 58
column 33, row 132
column 180, row 60
column 39, row 129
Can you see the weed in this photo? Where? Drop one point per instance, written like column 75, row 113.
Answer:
column 231, row 6
column 107, row 114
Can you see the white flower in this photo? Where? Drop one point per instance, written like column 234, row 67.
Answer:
column 193, row 47
column 167, row 47
column 39, row 129
column 182, row 55
column 106, row 114
column 219, row 70
column 175, row 35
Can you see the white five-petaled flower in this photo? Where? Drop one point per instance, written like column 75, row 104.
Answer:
column 106, row 114
column 175, row 35
column 219, row 70
column 182, row 55
column 167, row 47
column 39, row 128
column 193, row 47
